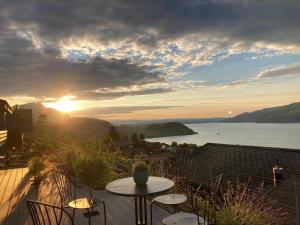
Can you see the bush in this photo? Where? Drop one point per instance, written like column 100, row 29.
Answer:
column 248, row 207
column 95, row 164
column 36, row 166
column 94, row 170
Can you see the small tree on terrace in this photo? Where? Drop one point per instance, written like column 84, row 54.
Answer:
column 113, row 134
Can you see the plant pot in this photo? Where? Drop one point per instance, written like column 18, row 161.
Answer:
column 140, row 177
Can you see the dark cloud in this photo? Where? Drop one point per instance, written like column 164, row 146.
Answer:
column 274, row 21
column 111, row 95
column 26, row 70
column 99, row 111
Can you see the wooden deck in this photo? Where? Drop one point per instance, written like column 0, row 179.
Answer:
column 15, row 189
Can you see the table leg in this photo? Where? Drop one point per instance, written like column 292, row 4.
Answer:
column 140, row 210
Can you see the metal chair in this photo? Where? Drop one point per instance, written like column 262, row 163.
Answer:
column 46, row 214
column 204, row 204
column 183, row 169
column 68, row 197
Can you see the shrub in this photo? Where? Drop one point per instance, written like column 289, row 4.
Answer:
column 94, row 163
column 94, row 170
column 248, row 207
column 36, row 166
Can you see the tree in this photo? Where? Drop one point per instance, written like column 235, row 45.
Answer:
column 174, row 144
column 134, row 138
column 42, row 118
column 142, row 137
column 113, row 134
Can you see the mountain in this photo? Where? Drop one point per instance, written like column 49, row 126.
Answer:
column 38, row 108
column 281, row 114
column 156, row 129
column 83, row 127
column 179, row 120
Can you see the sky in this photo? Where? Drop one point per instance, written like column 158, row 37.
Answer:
column 150, row 59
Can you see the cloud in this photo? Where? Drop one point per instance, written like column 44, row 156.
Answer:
column 100, row 111
column 52, row 48
column 44, row 72
column 232, row 85
column 286, row 70
column 94, row 95
column 149, row 21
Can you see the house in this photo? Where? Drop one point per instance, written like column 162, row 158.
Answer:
column 13, row 122
column 5, row 111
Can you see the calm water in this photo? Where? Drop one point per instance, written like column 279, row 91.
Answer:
column 269, row 135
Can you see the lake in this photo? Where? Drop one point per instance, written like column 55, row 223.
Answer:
column 268, row 135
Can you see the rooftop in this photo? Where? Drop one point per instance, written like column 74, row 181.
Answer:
column 241, row 162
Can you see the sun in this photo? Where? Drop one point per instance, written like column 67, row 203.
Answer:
column 65, row 104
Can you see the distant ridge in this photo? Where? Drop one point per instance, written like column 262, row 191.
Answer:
column 85, row 127
column 90, row 127
column 281, row 114
column 156, row 129
column 178, row 120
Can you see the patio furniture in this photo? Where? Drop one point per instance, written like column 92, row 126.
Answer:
column 169, row 199
column 204, row 203
column 69, row 198
column 181, row 175
column 127, row 187
column 47, row 214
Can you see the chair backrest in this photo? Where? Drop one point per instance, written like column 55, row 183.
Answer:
column 46, row 214
column 65, row 188
column 206, row 200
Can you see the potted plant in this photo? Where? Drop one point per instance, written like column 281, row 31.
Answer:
column 36, row 167
column 140, row 173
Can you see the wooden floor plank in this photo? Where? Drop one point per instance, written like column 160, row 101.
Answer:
column 13, row 195
column 17, row 188
column 5, row 189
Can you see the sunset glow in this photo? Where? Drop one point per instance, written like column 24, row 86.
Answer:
column 222, row 56
column 65, row 104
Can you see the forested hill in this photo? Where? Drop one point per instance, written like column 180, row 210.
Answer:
column 281, row 114
column 156, row 130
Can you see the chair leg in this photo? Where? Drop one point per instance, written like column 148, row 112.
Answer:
column 104, row 211
column 151, row 211
column 73, row 214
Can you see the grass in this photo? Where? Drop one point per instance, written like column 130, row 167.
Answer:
column 243, row 206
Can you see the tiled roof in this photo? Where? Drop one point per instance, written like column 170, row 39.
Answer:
column 241, row 162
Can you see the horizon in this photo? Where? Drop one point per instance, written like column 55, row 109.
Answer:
column 151, row 61
column 113, row 120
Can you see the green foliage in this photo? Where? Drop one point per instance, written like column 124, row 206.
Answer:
column 95, row 163
column 156, row 130
column 140, row 166
column 42, row 119
column 174, row 144
column 134, row 138
column 94, row 170
column 248, row 207
column 44, row 143
column 113, row 134
column 142, row 137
